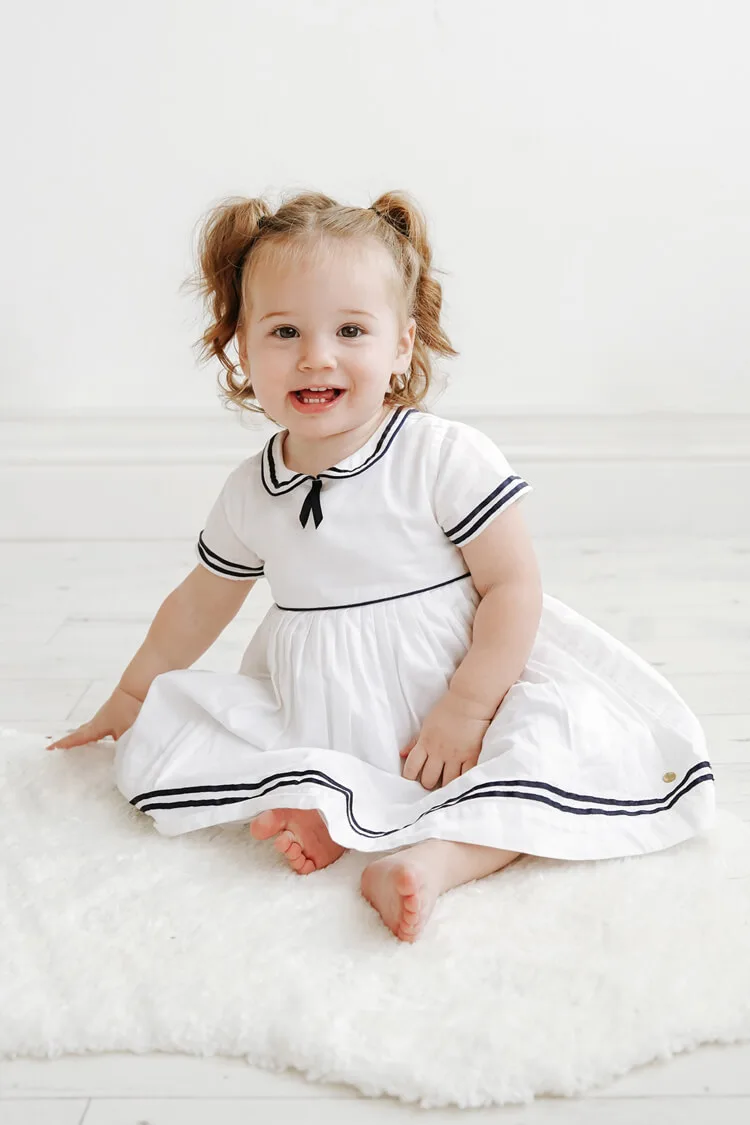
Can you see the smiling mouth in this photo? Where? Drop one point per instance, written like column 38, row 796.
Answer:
column 319, row 396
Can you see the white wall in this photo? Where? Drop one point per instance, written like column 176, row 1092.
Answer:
column 585, row 168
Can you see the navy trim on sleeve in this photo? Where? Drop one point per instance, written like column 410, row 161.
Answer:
column 222, row 566
column 507, row 492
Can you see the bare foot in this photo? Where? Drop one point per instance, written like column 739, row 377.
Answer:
column 403, row 887
column 403, row 890
column 302, row 837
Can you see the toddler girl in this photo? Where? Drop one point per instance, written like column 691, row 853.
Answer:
column 411, row 691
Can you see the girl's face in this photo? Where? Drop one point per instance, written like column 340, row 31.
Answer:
column 328, row 323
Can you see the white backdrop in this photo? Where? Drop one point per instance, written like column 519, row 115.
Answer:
column 584, row 166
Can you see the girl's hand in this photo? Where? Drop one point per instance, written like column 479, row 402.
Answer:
column 115, row 717
column 449, row 743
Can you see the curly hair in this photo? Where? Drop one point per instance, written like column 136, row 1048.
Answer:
column 234, row 234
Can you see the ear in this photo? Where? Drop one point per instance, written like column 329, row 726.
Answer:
column 406, row 343
column 242, row 349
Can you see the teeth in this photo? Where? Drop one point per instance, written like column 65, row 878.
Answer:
column 309, row 398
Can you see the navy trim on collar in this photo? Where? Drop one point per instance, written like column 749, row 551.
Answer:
column 279, row 487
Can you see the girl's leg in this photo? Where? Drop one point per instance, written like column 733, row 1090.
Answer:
column 404, row 886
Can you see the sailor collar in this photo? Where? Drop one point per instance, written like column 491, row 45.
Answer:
column 278, row 480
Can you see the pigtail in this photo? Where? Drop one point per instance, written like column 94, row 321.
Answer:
column 226, row 236
column 422, row 291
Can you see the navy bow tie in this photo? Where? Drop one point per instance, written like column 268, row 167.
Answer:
column 312, row 504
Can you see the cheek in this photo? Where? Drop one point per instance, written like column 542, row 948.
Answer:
column 268, row 370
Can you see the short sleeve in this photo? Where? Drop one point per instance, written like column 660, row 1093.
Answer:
column 474, row 483
column 222, row 544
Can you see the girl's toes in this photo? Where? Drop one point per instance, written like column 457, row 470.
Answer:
column 409, row 918
column 266, row 824
column 286, row 843
column 289, row 847
column 410, row 914
column 407, row 935
column 410, row 926
column 302, row 864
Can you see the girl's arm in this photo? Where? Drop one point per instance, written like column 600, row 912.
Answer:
column 186, row 625
column 506, row 573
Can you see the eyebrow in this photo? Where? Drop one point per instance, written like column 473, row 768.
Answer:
column 355, row 312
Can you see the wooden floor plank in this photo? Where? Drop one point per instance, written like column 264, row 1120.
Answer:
column 562, row 1111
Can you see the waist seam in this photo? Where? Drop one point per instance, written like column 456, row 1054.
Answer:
column 373, row 601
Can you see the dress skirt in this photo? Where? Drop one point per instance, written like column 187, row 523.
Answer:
column 592, row 754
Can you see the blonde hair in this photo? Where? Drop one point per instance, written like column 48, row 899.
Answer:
column 235, row 232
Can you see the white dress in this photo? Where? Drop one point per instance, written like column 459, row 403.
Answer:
column 592, row 754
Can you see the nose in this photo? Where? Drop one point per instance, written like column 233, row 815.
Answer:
column 317, row 354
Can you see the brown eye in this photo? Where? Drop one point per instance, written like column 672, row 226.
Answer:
column 281, row 327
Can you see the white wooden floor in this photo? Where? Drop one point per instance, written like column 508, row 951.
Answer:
column 73, row 614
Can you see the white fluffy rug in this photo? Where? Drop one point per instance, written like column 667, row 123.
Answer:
column 549, row 978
